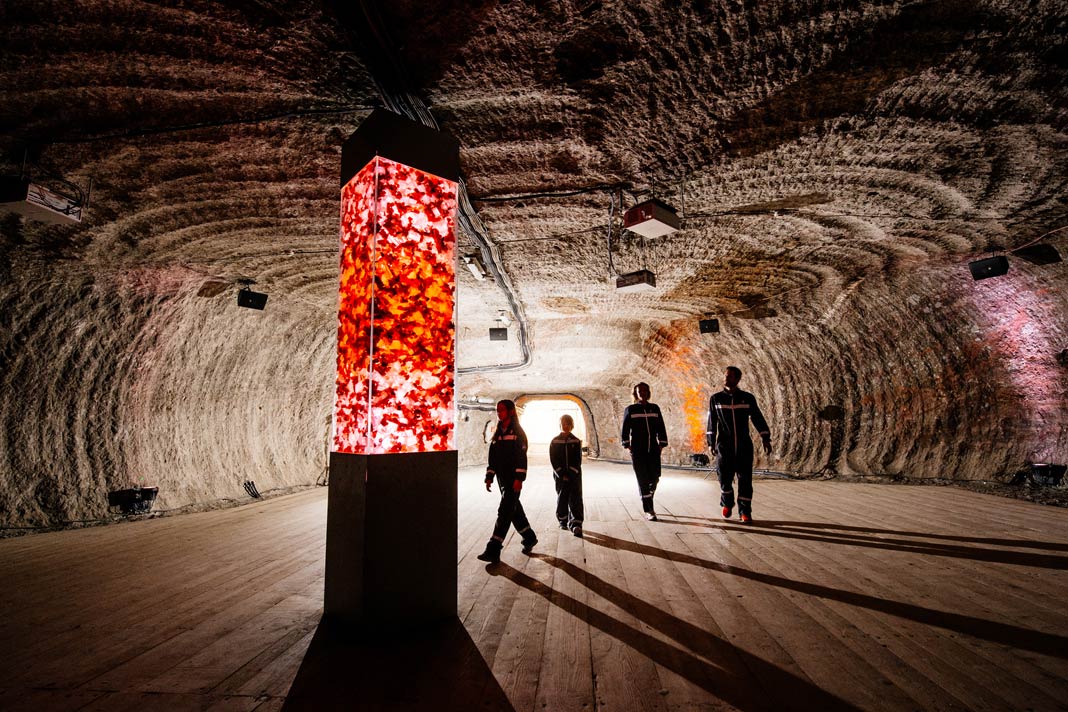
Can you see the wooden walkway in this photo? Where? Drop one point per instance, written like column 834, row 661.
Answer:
column 842, row 596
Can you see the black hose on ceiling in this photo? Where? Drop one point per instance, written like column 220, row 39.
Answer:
column 388, row 73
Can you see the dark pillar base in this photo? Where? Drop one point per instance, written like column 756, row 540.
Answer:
column 391, row 539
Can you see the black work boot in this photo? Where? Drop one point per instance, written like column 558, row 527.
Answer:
column 492, row 554
column 529, row 542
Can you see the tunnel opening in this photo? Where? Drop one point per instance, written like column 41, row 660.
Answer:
column 540, row 416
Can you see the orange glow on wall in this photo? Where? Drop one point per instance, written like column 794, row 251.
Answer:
column 396, row 333
column 695, row 407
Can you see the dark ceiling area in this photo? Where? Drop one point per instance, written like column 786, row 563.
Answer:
column 835, row 166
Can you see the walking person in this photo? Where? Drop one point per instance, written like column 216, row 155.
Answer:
column 645, row 436
column 729, row 413
column 565, row 456
column 508, row 464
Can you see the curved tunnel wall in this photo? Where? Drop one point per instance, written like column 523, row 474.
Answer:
column 936, row 375
column 139, row 381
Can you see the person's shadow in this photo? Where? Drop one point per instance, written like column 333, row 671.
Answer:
column 434, row 667
column 871, row 538
column 733, row 675
column 1002, row 633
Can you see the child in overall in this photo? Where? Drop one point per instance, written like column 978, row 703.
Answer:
column 565, row 456
column 508, row 464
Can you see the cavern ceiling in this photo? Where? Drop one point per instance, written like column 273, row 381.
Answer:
column 836, row 166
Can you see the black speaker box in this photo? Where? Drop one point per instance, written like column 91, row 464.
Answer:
column 252, row 300
column 499, row 334
column 990, row 267
column 710, row 326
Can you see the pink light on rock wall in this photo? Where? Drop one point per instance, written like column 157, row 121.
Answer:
column 1017, row 318
column 396, row 333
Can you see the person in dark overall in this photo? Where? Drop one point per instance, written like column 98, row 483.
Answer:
column 508, row 464
column 565, row 456
column 729, row 413
column 645, row 436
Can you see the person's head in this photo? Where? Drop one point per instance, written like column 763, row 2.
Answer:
column 505, row 411
column 642, row 392
column 567, row 423
column 731, row 377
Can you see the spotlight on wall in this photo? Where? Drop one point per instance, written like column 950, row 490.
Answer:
column 474, row 263
column 709, row 326
column 498, row 334
column 249, row 299
column 989, row 267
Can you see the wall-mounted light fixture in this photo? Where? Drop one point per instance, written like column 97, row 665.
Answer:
column 474, row 264
column 249, row 299
column 989, row 267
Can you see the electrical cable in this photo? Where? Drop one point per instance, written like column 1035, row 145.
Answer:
column 600, row 188
column 156, row 130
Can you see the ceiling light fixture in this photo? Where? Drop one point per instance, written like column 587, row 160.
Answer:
column 641, row 281
column 653, row 218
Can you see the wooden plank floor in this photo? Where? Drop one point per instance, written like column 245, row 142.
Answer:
column 842, row 596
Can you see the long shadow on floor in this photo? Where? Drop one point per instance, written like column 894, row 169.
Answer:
column 1022, row 543
column 431, row 668
column 1001, row 633
column 795, row 530
column 737, row 677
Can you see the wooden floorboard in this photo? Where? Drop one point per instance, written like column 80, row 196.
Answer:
column 841, row 596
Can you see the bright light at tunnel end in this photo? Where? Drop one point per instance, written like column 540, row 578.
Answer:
column 396, row 330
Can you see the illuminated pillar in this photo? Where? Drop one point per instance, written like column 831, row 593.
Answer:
column 391, row 519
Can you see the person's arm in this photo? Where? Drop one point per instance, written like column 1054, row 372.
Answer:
column 661, row 429
column 624, row 437
column 710, row 429
column 520, row 459
column 556, row 456
column 490, row 474
column 760, row 423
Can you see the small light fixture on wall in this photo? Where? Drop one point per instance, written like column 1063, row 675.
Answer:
column 474, row 264
column 249, row 299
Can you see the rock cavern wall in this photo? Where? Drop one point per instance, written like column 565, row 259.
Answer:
column 837, row 165
column 935, row 375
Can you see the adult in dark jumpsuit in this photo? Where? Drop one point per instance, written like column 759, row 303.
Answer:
column 645, row 436
column 729, row 413
column 565, row 456
column 508, row 464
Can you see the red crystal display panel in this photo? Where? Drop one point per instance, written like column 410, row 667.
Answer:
column 396, row 333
